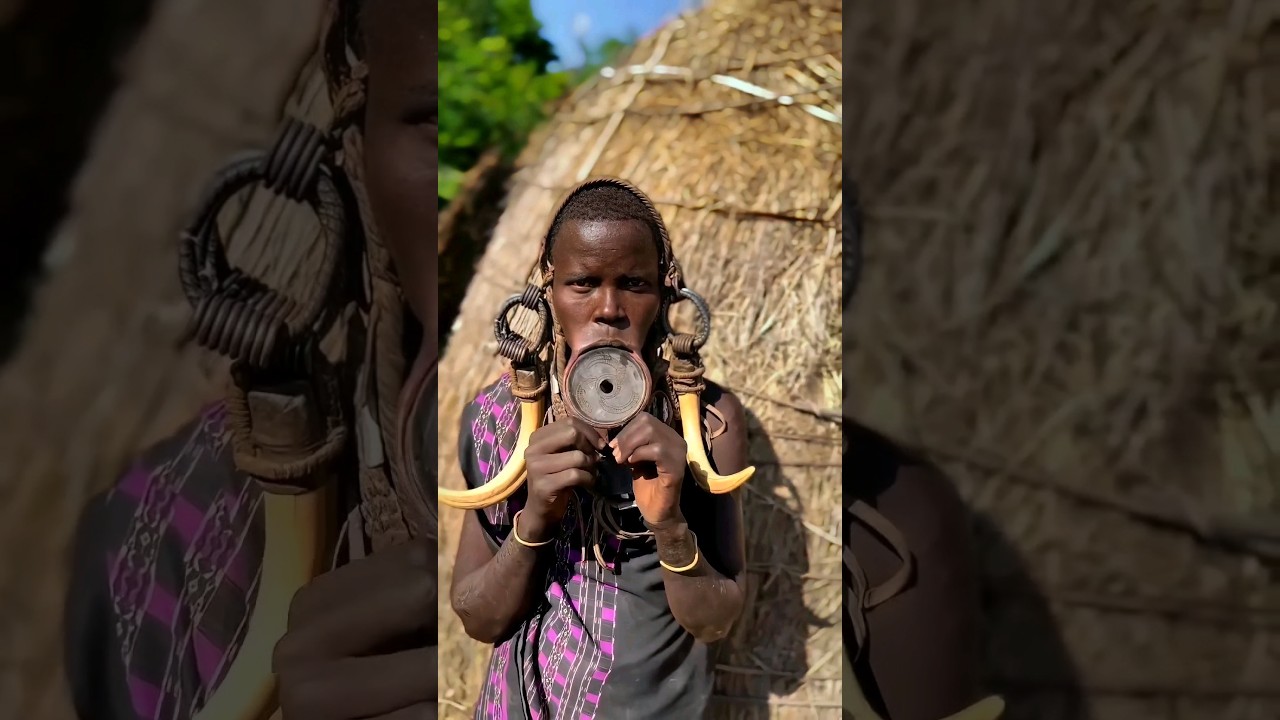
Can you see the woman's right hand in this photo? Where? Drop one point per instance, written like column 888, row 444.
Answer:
column 560, row 457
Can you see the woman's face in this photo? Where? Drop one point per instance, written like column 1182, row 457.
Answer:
column 401, row 141
column 607, row 284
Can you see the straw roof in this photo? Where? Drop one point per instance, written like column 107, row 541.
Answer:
column 1069, row 299
column 750, row 188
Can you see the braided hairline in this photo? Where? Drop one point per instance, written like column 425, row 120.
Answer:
column 672, row 279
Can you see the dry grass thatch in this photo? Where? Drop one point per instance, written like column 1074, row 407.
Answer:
column 751, row 190
column 1070, row 299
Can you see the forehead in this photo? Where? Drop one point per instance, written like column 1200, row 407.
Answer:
column 596, row 241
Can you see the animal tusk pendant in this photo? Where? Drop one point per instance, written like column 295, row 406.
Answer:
column 512, row 476
column 691, row 423
column 292, row 556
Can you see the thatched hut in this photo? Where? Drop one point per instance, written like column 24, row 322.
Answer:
column 729, row 119
column 1069, row 300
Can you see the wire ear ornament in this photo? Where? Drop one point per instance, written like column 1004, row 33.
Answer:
column 686, row 371
column 282, row 384
column 529, row 385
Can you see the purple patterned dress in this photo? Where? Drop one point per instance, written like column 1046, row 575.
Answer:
column 165, row 566
column 603, row 643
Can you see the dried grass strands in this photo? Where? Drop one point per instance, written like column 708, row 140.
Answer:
column 1070, row 271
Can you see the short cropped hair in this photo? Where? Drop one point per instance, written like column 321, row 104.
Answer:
column 603, row 202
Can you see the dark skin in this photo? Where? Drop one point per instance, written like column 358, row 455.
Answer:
column 607, row 286
column 931, row 629
column 361, row 639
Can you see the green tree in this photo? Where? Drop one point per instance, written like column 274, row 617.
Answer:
column 494, row 84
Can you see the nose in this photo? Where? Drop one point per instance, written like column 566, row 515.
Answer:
column 609, row 310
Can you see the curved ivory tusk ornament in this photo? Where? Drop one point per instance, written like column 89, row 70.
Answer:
column 691, row 423
column 512, row 476
column 292, row 556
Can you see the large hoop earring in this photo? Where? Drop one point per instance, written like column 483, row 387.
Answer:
column 686, row 370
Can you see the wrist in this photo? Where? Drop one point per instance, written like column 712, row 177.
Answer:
column 676, row 544
column 533, row 527
column 673, row 524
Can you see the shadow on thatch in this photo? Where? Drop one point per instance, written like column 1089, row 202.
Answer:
column 766, row 653
column 1025, row 658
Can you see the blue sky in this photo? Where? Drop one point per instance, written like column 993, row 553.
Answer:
column 564, row 21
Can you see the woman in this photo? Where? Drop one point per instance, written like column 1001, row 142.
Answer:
column 168, row 563
column 599, row 609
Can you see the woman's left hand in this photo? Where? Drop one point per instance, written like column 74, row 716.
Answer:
column 644, row 440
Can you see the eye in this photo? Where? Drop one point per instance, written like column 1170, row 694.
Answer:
column 635, row 283
column 580, row 282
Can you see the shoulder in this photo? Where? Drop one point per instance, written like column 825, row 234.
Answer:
column 194, row 462
column 911, row 492
column 493, row 401
column 135, row 543
column 730, row 411
column 492, row 409
column 175, row 505
column 725, row 401
column 487, row 431
column 927, row 507
column 728, row 430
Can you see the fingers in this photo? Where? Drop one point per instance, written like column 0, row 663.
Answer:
column 569, row 433
column 573, row 477
column 361, row 606
column 644, row 460
column 647, row 440
column 541, row 466
column 361, row 687
column 639, row 432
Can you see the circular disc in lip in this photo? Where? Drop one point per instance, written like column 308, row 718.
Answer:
column 606, row 386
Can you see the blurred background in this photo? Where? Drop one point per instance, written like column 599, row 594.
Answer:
column 1070, row 303
column 118, row 113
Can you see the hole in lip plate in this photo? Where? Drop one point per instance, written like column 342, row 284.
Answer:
column 606, row 387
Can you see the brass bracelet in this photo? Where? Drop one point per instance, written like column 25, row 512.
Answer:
column 515, row 533
column 685, row 568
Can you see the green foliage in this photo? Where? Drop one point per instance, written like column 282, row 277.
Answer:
column 494, row 84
